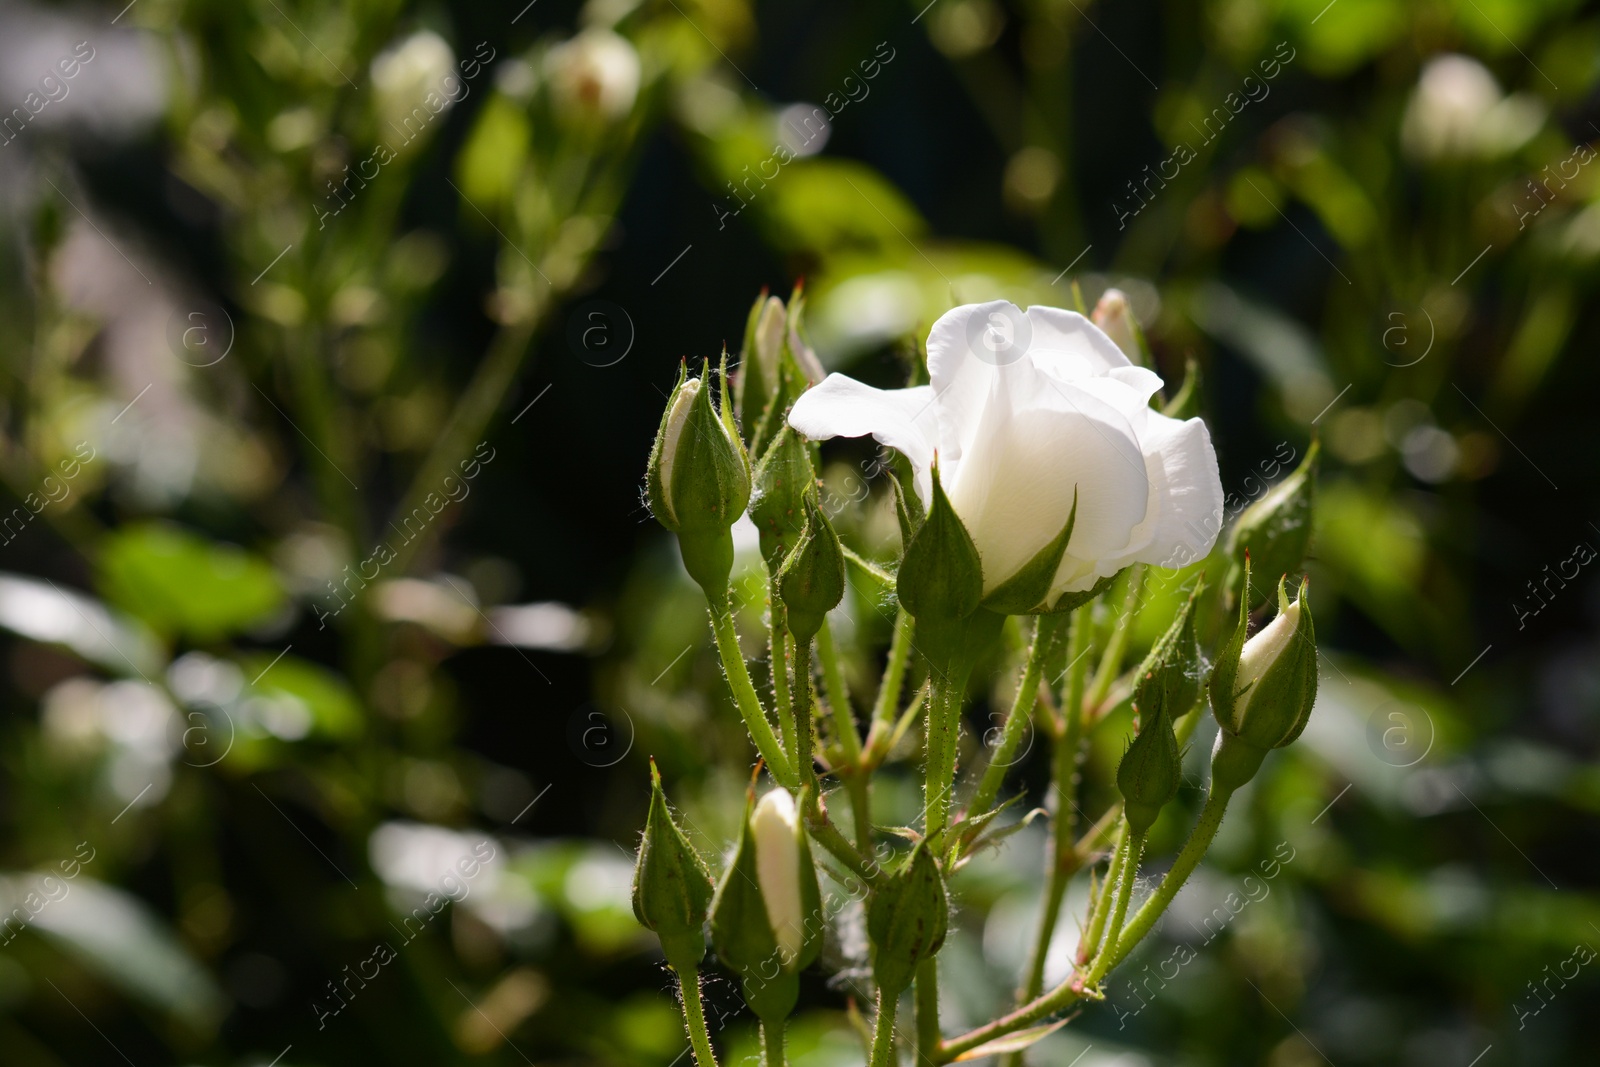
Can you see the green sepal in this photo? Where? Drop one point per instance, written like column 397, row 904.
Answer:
column 810, row 901
column 907, row 505
column 782, row 482
column 1026, row 592
column 742, row 934
column 1151, row 769
column 1073, row 601
column 1186, row 405
column 941, row 576
column 1276, row 530
column 671, row 884
column 1171, row 673
column 1279, row 704
column 811, row 580
column 907, row 917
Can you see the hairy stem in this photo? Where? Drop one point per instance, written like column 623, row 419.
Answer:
column 944, row 727
column 1102, row 901
column 1044, row 641
column 1205, row 830
column 1064, row 859
column 1133, row 850
column 883, row 1033
column 844, row 720
column 695, row 1017
column 772, row 1038
column 778, row 643
column 802, row 711
column 927, row 1004
column 885, row 709
column 744, row 694
column 1111, row 660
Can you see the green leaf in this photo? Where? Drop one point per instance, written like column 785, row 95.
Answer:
column 334, row 707
column 1013, row 1042
column 181, row 583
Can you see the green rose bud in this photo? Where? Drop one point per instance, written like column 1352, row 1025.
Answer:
column 671, row 885
column 1275, row 530
column 761, row 361
column 1262, row 690
column 811, row 580
column 783, row 481
column 699, row 478
column 907, row 917
column 1152, row 767
column 766, row 917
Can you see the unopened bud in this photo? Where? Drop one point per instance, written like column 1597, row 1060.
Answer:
column 671, row 885
column 907, row 917
column 811, row 581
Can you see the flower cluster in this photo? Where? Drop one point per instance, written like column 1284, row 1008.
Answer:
column 1036, row 469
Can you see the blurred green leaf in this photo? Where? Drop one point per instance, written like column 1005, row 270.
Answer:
column 181, row 583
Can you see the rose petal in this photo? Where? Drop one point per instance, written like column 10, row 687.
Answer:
column 903, row 419
column 1070, row 345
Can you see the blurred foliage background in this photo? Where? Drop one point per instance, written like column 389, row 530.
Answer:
column 333, row 340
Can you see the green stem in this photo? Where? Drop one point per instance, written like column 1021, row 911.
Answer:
column 695, row 1017
column 883, row 1034
column 1111, row 660
column 744, row 694
column 844, row 720
column 1200, row 839
column 826, row 834
column 1064, row 784
column 1072, row 989
column 1133, row 851
column 944, row 724
column 772, row 1038
column 1044, row 640
column 887, row 705
column 927, row 1005
column 802, row 709
column 1102, row 901
column 484, row 393
column 779, row 657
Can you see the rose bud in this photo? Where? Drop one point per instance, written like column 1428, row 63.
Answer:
column 907, row 917
column 1263, row 689
column 1151, row 769
column 811, row 581
column 699, row 479
column 783, row 480
column 671, row 885
column 1113, row 315
column 766, row 917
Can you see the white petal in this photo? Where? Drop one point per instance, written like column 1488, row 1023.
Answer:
column 962, row 377
column 1040, row 439
column 778, row 869
column 1070, row 345
column 1185, row 513
column 903, row 419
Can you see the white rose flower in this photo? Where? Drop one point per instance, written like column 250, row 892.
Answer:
column 596, row 74
column 1458, row 111
column 1024, row 409
column 409, row 78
